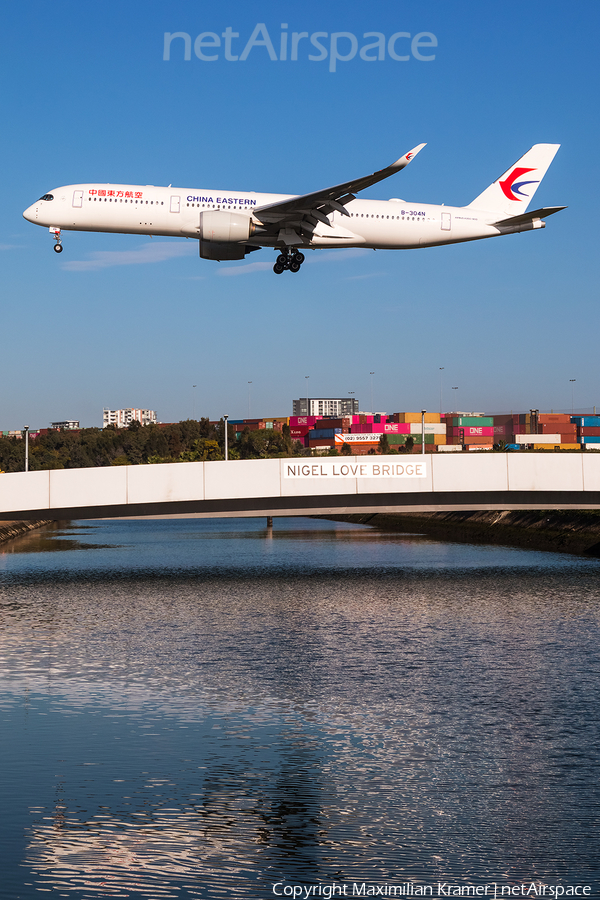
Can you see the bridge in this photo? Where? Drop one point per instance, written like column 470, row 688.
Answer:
column 309, row 486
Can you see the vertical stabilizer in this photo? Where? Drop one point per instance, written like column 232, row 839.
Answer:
column 512, row 192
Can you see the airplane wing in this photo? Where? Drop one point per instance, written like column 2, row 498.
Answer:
column 306, row 210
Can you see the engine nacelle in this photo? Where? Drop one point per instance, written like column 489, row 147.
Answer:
column 223, row 235
column 225, row 227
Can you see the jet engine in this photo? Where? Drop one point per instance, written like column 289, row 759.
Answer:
column 223, row 234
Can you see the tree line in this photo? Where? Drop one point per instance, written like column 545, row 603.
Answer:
column 188, row 441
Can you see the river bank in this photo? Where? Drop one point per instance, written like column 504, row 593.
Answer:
column 562, row 531
column 10, row 530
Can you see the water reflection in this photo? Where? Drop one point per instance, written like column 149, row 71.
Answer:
column 197, row 708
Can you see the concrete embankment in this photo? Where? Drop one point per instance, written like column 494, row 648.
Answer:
column 10, row 530
column 563, row 531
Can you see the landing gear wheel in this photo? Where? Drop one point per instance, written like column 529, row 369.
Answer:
column 300, row 257
column 294, row 266
column 58, row 248
column 278, row 268
column 282, row 260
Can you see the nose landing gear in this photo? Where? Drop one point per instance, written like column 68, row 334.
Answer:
column 58, row 247
column 291, row 260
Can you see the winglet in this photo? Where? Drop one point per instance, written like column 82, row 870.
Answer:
column 404, row 160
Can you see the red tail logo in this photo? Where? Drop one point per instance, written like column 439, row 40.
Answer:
column 509, row 187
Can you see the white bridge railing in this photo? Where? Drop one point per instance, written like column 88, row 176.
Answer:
column 309, row 486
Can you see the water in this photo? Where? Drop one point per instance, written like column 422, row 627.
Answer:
column 210, row 709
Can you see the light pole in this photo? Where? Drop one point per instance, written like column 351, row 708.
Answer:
column 455, row 389
column 249, row 383
column 194, row 386
column 441, row 370
column 372, row 407
column 572, row 380
column 26, row 430
column 226, row 439
column 423, row 411
column 306, row 377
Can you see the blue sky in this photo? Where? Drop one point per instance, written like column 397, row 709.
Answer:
column 120, row 320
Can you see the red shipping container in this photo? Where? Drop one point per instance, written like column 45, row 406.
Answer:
column 299, row 430
column 327, row 422
column 557, row 428
column 304, row 420
column 554, row 418
column 589, row 431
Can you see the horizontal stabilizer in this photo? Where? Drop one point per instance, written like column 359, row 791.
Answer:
column 530, row 216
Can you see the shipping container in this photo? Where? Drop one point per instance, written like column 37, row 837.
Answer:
column 450, row 448
column 342, row 438
column 334, row 422
column 322, row 442
column 554, row 418
column 304, row 420
column 589, row 431
column 476, row 421
column 472, row 431
column 590, row 439
column 537, row 446
column 586, row 421
column 396, row 428
column 431, row 418
column 430, row 428
column 537, row 438
column 561, row 427
column 477, row 439
column 321, row 433
column 472, row 447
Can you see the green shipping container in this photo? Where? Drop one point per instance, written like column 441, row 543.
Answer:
column 395, row 439
column 473, row 421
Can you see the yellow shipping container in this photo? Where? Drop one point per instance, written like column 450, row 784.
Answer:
column 439, row 439
column 433, row 418
column 557, row 446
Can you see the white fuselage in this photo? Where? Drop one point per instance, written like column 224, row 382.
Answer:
column 149, row 210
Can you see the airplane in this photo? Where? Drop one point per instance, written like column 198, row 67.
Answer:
column 230, row 224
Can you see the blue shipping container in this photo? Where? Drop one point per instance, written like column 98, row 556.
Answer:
column 586, row 421
column 585, row 439
column 319, row 434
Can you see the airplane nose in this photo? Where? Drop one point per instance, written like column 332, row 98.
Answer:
column 29, row 213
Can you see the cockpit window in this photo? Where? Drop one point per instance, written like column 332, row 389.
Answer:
column 47, row 197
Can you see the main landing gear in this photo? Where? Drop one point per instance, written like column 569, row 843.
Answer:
column 58, row 247
column 291, row 260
